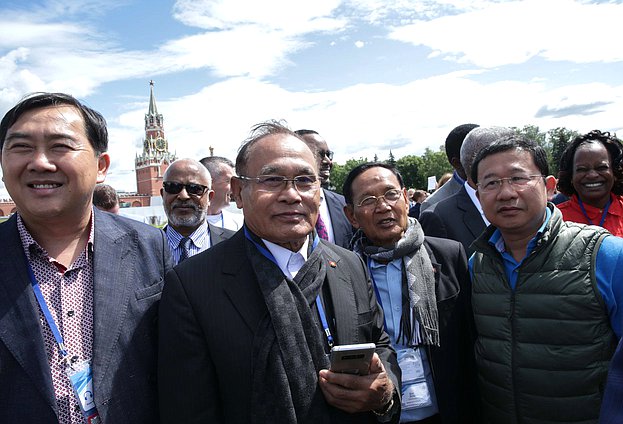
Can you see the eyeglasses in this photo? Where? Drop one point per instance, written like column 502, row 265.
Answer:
column 391, row 197
column 519, row 183
column 326, row 153
column 275, row 183
column 173, row 187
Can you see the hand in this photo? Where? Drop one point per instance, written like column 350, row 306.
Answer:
column 358, row 393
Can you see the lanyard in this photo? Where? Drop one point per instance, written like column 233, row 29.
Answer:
column 323, row 317
column 376, row 290
column 46, row 311
column 222, row 220
column 603, row 215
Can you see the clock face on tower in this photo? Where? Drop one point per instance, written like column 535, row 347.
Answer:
column 160, row 144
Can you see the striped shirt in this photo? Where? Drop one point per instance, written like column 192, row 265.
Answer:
column 200, row 241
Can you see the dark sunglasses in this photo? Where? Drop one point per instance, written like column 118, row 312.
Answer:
column 172, row 187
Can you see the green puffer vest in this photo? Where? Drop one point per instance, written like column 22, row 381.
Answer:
column 543, row 350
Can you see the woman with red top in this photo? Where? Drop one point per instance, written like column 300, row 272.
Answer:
column 591, row 174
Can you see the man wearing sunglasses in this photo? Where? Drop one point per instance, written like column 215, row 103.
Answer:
column 332, row 224
column 186, row 193
column 246, row 327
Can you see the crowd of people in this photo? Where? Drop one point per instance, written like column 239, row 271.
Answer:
column 485, row 302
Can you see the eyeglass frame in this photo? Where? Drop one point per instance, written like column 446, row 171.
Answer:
column 284, row 182
column 187, row 187
column 514, row 185
column 326, row 154
column 376, row 199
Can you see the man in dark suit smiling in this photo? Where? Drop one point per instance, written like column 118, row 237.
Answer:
column 246, row 326
column 79, row 288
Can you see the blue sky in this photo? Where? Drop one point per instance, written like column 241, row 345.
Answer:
column 369, row 75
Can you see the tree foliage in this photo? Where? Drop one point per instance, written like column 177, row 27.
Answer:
column 339, row 172
column 415, row 170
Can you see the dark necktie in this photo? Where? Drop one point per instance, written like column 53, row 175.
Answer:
column 321, row 229
column 184, row 243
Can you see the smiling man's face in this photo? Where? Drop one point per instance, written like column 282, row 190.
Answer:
column 383, row 222
column 49, row 166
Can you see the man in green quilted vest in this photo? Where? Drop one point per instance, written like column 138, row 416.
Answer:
column 546, row 294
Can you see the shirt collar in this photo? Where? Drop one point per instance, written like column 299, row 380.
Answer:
column 282, row 255
column 29, row 244
column 198, row 237
column 498, row 242
column 472, row 195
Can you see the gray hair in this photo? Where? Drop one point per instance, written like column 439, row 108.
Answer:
column 477, row 139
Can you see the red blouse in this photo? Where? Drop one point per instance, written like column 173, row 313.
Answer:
column 571, row 211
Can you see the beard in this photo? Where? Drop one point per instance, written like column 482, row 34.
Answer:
column 192, row 221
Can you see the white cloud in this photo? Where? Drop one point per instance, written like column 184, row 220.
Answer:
column 359, row 44
column 515, row 31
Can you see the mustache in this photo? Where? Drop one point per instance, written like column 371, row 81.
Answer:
column 187, row 204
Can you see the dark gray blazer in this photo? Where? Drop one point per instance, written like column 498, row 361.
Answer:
column 342, row 230
column 445, row 191
column 218, row 234
column 455, row 218
column 209, row 315
column 130, row 261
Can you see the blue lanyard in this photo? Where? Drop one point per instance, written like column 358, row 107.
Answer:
column 222, row 220
column 319, row 306
column 46, row 311
column 603, row 215
column 376, row 290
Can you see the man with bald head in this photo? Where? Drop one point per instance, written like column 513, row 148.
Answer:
column 246, row 327
column 186, row 193
column 460, row 216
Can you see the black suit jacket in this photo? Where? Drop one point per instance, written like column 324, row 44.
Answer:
column 210, row 309
column 454, row 218
column 129, row 263
column 342, row 230
column 453, row 363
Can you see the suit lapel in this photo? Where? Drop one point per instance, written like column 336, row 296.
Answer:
column 342, row 296
column 240, row 283
column 114, row 265
column 216, row 234
column 471, row 216
column 20, row 330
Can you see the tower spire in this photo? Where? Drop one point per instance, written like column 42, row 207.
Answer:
column 155, row 159
column 153, row 110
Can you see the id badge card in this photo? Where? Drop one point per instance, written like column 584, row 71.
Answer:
column 410, row 363
column 81, row 377
column 415, row 392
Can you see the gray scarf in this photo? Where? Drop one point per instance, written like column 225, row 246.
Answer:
column 288, row 348
column 418, row 282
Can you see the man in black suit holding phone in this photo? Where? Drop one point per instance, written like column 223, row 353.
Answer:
column 246, row 326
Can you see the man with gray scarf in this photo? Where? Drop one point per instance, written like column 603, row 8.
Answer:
column 246, row 326
column 422, row 286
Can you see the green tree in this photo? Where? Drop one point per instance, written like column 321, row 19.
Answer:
column 433, row 163
column 391, row 161
column 409, row 166
column 339, row 172
column 532, row 132
column 559, row 139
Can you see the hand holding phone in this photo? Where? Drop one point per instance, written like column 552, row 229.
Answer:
column 352, row 359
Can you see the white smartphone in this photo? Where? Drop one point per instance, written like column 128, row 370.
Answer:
column 352, row 359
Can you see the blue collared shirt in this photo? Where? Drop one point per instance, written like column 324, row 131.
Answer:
column 609, row 262
column 200, row 241
column 388, row 281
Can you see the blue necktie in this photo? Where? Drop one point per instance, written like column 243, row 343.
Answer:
column 184, row 243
